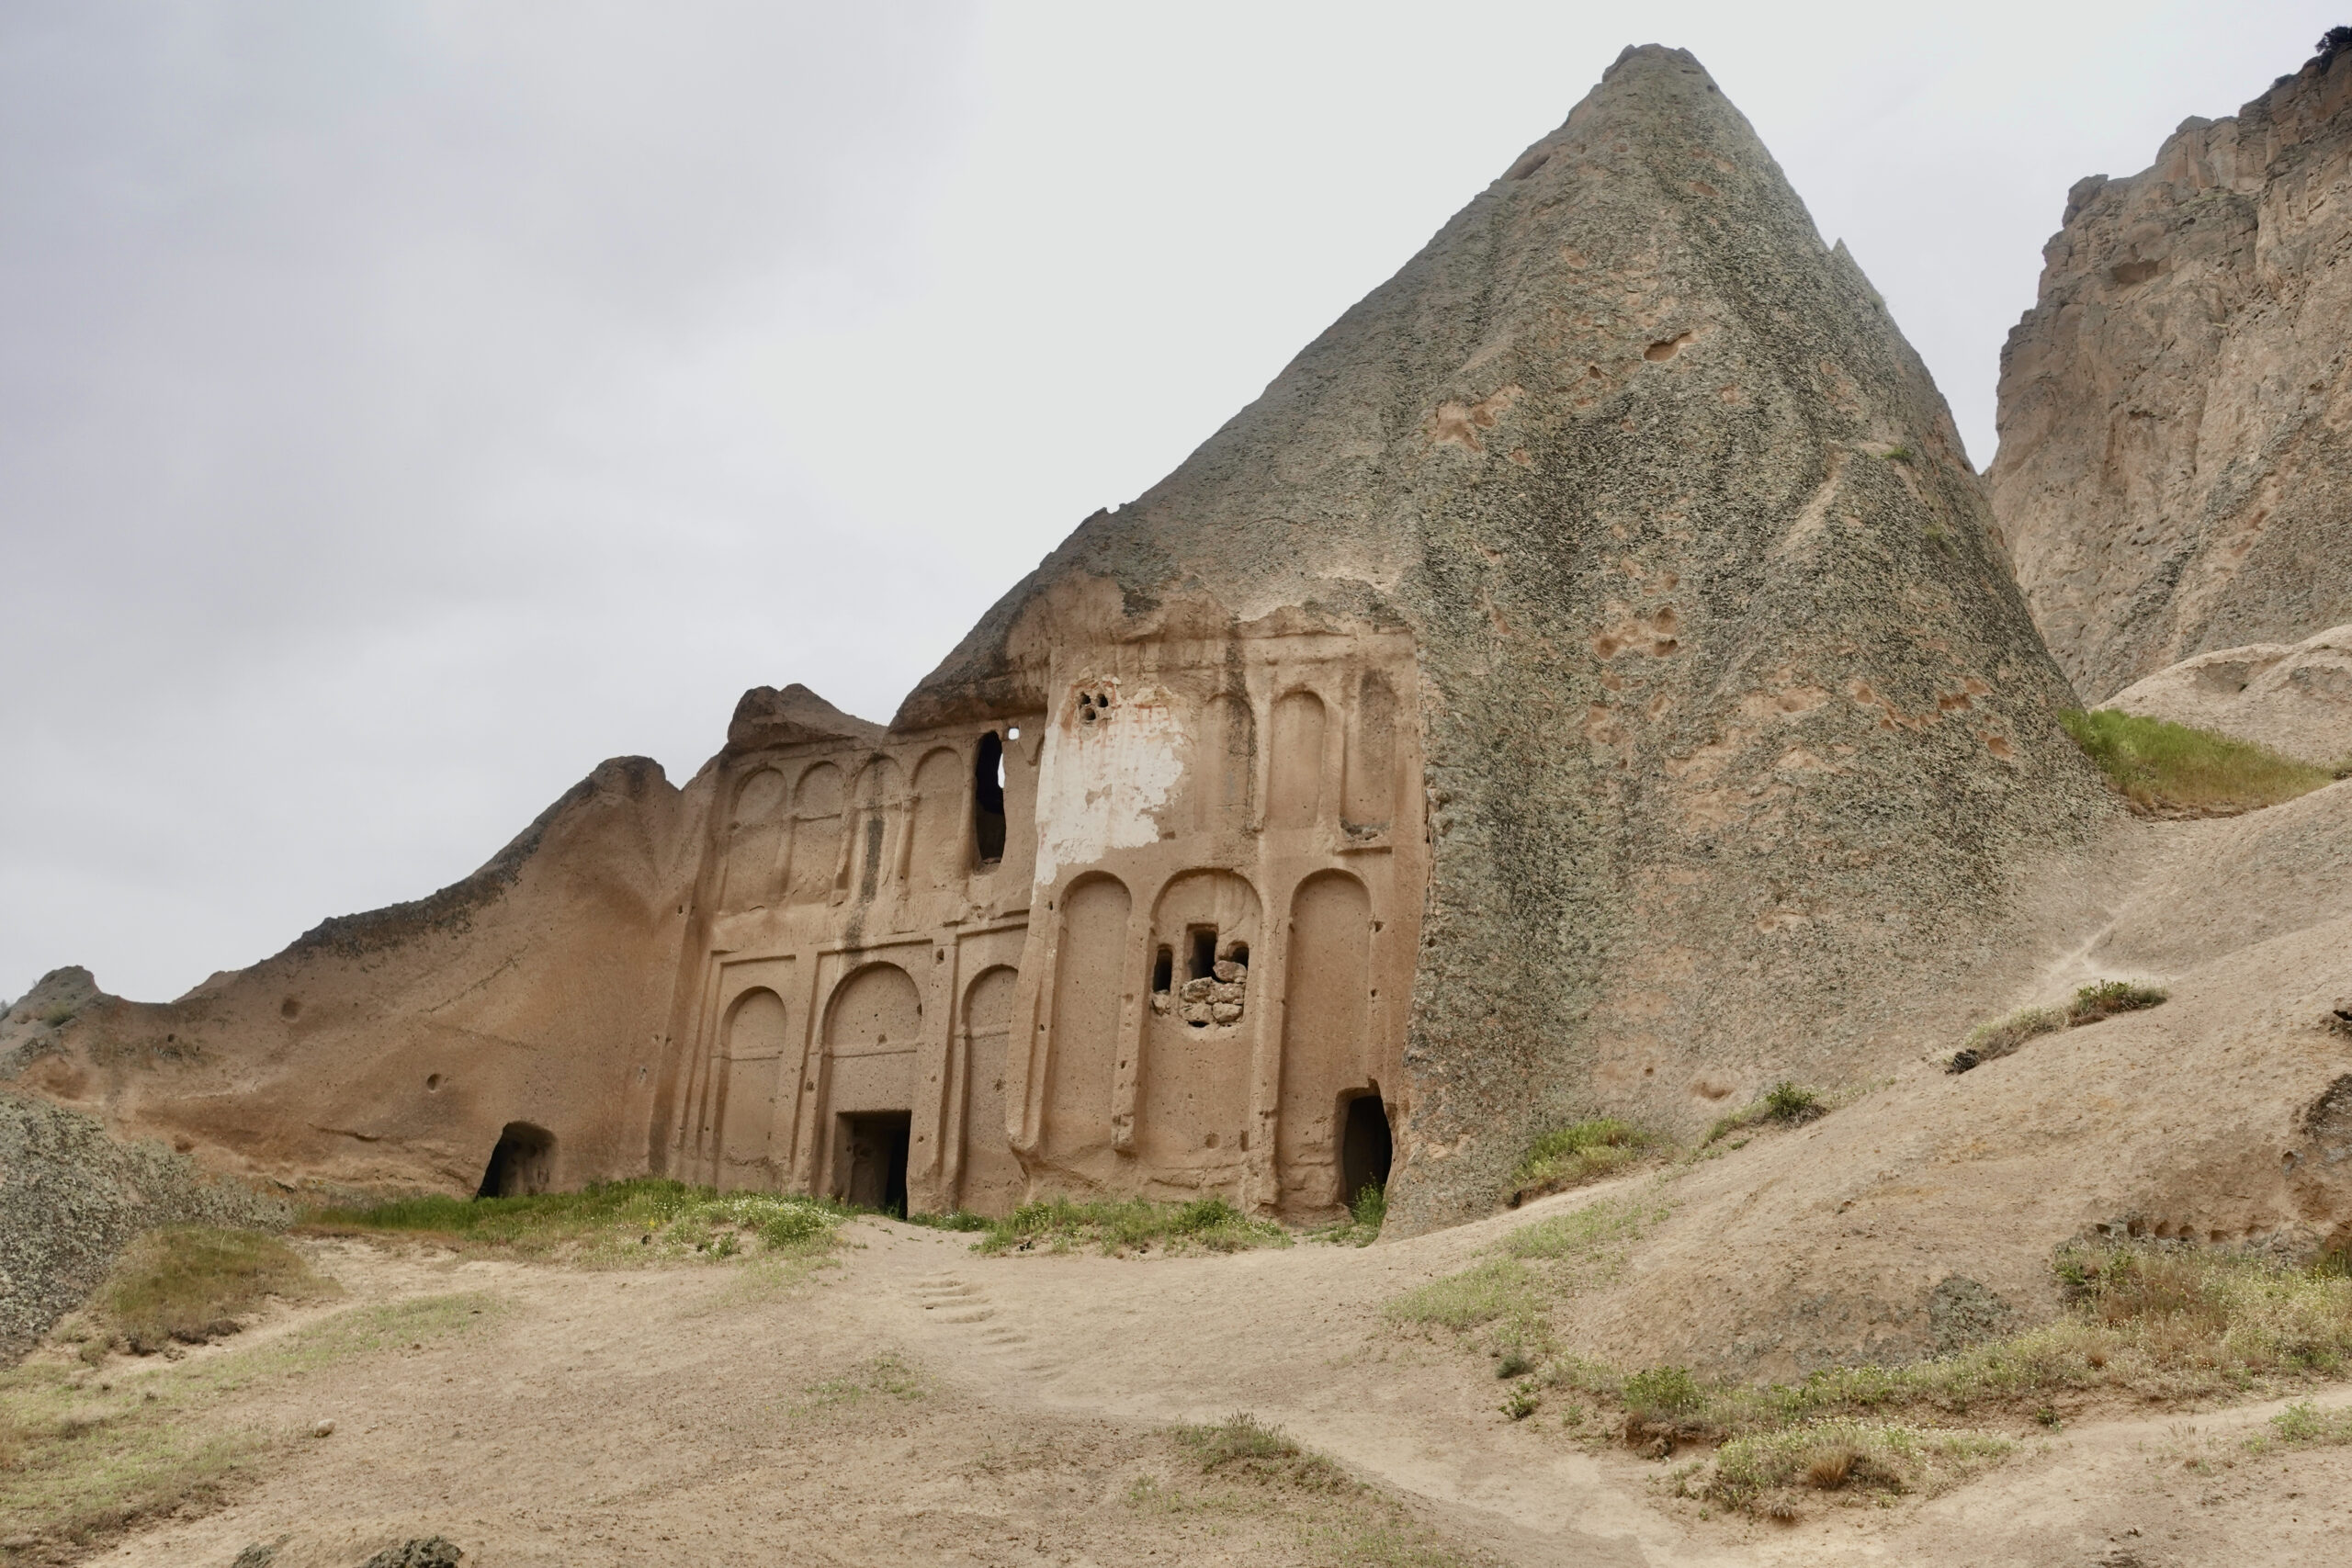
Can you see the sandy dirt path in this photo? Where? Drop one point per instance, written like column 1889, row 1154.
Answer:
column 921, row 1404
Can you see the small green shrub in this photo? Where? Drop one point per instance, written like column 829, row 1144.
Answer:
column 1242, row 1444
column 2105, row 999
column 1585, row 1151
column 1787, row 1102
column 1370, row 1210
column 1523, row 1401
column 1664, row 1392
column 2167, row 769
column 1758, row 1472
column 2303, row 1425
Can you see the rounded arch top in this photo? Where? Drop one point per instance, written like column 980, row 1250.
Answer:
column 818, row 793
column 880, row 782
column 876, row 1005
column 759, row 797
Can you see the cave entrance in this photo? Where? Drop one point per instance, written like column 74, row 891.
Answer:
column 1365, row 1147
column 874, row 1147
column 520, row 1164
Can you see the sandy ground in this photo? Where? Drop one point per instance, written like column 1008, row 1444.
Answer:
column 919, row 1403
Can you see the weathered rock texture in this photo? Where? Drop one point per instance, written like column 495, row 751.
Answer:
column 2174, row 473
column 72, row 1198
column 2295, row 699
column 391, row 1048
column 1585, row 680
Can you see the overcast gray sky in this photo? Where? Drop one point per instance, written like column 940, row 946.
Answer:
column 405, row 406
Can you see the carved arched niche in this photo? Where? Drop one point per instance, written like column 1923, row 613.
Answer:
column 880, row 790
column 1224, row 765
column 1294, row 772
column 1082, row 1046
column 1328, row 1049
column 937, row 859
column 873, row 1025
column 1371, row 802
column 752, row 1042
column 1193, row 1093
column 754, row 834
column 815, row 835
column 989, row 1173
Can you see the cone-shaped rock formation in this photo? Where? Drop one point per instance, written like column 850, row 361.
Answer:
column 1733, row 723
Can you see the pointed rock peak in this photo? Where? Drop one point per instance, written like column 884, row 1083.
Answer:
column 766, row 717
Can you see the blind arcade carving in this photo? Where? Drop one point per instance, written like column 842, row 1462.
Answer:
column 1119, row 946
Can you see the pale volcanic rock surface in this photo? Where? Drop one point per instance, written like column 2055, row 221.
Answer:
column 1736, row 722
column 2294, row 698
column 2174, row 474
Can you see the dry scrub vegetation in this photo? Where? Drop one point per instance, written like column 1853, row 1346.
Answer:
column 2170, row 770
column 2156, row 1324
column 1118, row 1226
column 2094, row 1003
column 84, row 1456
column 615, row 1222
column 1246, row 1467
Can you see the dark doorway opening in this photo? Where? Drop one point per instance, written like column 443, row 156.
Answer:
column 987, row 799
column 1204, row 955
column 519, row 1165
column 1364, row 1146
column 874, row 1151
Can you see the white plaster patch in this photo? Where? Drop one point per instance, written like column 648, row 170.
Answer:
column 1100, row 784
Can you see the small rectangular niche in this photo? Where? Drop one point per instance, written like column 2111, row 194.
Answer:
column 1201, row 941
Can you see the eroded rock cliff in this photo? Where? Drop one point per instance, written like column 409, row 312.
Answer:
column 2174, row 473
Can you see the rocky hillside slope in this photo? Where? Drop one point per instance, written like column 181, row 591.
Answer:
column 71, row 1198
column 2174, row 473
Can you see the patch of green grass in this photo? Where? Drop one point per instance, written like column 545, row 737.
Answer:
column 1116, row 1225
column 1789, row 1103
column 82, row 1459
column 608, row 1223
column 1584, row 1151
column 191, row 1283
column 2094, row 1003
column 1500, row 1290
column 953, row 1220
column 2170, row 769
column 1507, row 1301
